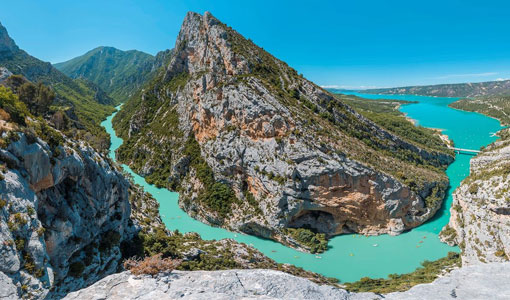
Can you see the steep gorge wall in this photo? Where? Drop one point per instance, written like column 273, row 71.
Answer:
column 480, row 221
column 63, row 214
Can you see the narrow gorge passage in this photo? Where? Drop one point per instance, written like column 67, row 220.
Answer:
column 353, row 256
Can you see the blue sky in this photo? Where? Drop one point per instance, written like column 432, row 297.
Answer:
column 348, row 44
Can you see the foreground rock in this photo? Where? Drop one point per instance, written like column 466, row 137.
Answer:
column 480, row 221
column 257, row 148
column 489, row 281
column 64, row 211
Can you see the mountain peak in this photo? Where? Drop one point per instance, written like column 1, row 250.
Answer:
column 7, row 44
column 205, row 44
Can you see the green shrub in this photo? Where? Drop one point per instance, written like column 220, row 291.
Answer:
column 501, row 253
column 41, row 231
column 30, row 211
column 11, row 104
column 20, row 244
column 218, row 197
column 315, row 242
column 428, row 273
column 473, row 189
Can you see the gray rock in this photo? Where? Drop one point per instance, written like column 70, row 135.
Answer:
column 480, row 218
column 8, row 289
column 230, row 284
column 487, row 281
column 4, row 73
column 61, row 211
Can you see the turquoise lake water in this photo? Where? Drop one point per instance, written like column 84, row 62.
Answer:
column 353, row 256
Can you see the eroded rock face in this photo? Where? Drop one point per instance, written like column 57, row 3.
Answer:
column 302, row 170
column 4, row 74
column 480, row 221
column 63, row 213
column 487, row 281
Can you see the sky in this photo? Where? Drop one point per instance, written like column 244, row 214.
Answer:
column 342, row 44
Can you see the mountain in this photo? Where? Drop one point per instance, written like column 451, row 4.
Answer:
column 88, row 103
column 119, row 73
column 493, row 106
column 254, row 147
column 450, row 90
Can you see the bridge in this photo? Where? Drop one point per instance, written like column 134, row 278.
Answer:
column 459, row 150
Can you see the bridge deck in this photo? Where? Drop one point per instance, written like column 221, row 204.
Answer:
column 465, row 150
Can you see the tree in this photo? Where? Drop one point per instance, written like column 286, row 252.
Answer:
column 15, row 108
column 38, row 98
column 15, row 81
column 45, row 97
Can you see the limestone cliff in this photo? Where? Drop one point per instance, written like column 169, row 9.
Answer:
column 480, row 221
column 64, row 212
column 255, row 147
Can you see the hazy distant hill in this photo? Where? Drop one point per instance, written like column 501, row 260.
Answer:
column 451, row 90
column 119, row 73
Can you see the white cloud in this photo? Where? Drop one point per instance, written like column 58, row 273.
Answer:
column 502, row 79
column 467, row 75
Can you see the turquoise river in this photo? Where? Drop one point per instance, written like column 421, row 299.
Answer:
column 354, row 256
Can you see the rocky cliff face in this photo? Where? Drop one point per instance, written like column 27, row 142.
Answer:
column 63, row 212
column 7, row 45
column 253, row 146
column 480, row 221
column 488, row 281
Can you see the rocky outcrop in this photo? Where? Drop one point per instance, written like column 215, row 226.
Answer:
column 63, row 212
column 488, row 281
column 480, row 221
column 4, row 74
column 7, row 44
column 290, row 152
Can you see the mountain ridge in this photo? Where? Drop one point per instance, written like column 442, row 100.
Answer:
column 224, row 108
column 119, row 73
column 470, row 89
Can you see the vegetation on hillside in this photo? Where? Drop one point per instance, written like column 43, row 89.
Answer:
column 493, row 106
column 16, row 113
column 88, row 102
column 450, row 90
column 330, row 115
column 315, row 242
column 386, row 114
column 119, row 73
column 193, row 253
column 429, row 271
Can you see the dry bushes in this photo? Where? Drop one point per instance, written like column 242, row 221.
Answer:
column 151, row 265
